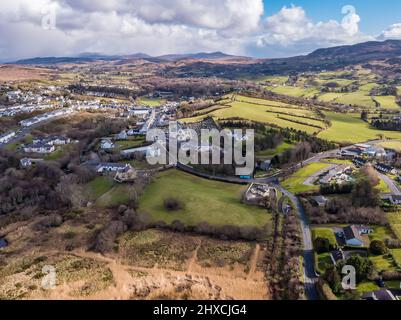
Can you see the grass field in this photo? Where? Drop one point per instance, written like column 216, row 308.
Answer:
column 295, row 183
column 295, row 91
column 383, row 187
column 323, row 261
column 99, row 186
column 383, row 263
column 130, row 143
column 397, row 256
column 350, row 128
column 201, row 202
column 267, row 112
column 324, row 233
column 388, row 102
column 395, row 223
column 367, row 287
column 272, row 152
column 118, row 195
column 359, row 98
column 150, row 102
column 394, row 145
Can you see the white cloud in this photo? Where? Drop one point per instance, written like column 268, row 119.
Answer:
column 392, row 32
column 170, row 26
column 123, row 26
column 291, row 27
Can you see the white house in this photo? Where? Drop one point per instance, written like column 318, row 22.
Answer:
column 53, row 140
column 39, row 148
column 395, row 199
column 106, row 144
column 4, row 138
column 122, row 135
column 112, row 167
column 26, row 162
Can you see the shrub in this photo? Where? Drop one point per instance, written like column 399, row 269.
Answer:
column 322, row 245
column 378, row 247
column 172, row 204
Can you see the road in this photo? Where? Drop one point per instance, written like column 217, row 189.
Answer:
column 310, row 276
column 391, row 184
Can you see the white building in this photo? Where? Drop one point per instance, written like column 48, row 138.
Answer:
column 7, row 137
column 39, row 148
column 107, row 144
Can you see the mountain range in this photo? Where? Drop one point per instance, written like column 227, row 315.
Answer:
column 92, row 57
column 210, row 64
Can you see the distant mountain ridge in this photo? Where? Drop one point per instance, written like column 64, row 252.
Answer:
column 91, row 57
column 211, row 64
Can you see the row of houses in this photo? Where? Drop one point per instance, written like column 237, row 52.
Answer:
column 46, row 145
column 6, row 137
column 46, row 116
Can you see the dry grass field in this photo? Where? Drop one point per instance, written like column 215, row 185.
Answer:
column 22, row 73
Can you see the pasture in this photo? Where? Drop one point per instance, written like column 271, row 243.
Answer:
column 349, row 128
column 200, row 202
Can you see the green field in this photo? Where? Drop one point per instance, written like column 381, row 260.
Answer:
column 150, row 102
column 327, row 233
column 349, row 128
column 295, row 91
column 267, row 112
column 394, row 145
column 295, row 183
column 397, row 257
column 388, row 102
column 272, row 152
column 203, row 200
column 383, row 187
column 383, row 263
column 358, row 98
column 130, row 143
column 99, row 186
column 118, row 195
column 395, row 223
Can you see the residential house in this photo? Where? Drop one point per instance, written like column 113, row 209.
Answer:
column 265, row 165
column 4, row 138
column 107, row 144
column 53, row 140
column 380, row 295
column 25, row 162
column 385, row 168
column 126, row 174
column 360, row 161
column 321, row 201
column 395, row 199
column 39, row 148
column 122, row 135
column 112, row 167
column 352, row 236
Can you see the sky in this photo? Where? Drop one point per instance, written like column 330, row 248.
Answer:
column 258, row 28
